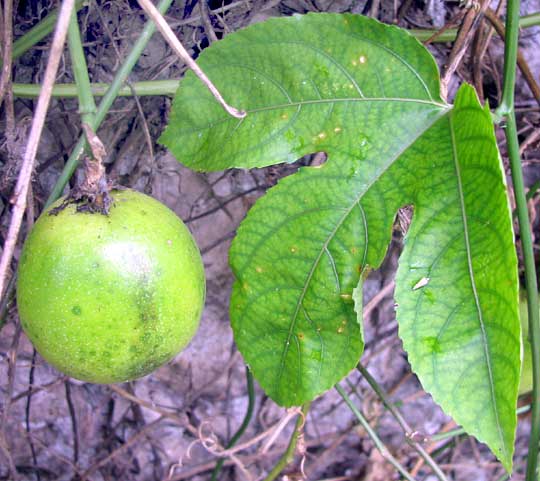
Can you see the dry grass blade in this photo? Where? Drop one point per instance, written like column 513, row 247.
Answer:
column 19, row 197
column 179, row 49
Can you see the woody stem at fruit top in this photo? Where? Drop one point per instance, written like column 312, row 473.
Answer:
column 94, row 190
column 506, row 111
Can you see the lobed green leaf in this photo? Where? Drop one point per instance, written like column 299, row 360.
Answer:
column 368, row 95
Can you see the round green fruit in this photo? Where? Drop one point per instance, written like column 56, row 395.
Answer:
column 109, row 298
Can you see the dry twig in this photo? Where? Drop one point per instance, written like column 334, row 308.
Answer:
column 465, row 34
column 205, row 17
column 5, row 78
column 12, row 362
column 130, row 442
column 498, row 25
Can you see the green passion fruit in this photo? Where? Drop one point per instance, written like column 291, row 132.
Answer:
column 109, row 298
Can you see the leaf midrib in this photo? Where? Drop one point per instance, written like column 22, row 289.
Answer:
column 485, row 343
column 301, row 103
column 356, row 202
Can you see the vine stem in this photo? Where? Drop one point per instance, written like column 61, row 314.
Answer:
column 179, row 49
column 87, row 106
column 450, row 35
column 106, row 102
column 409, row 434
column 39, row 32
column 43, row 28
column 94, row 168
column 243, row 426
column 169, row 87
column 531, row 286
column 140, row 89
column 506, row 110
column 373, row 435
column 20, row 194
column 288, row 455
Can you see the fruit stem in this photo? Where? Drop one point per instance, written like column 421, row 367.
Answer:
column 107, row 102
column 247, row 418
column 288, row 455
column 385, row 453
column 402, row 422
column 87, row 106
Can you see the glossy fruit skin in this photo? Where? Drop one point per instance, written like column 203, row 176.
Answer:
column 108, row 299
